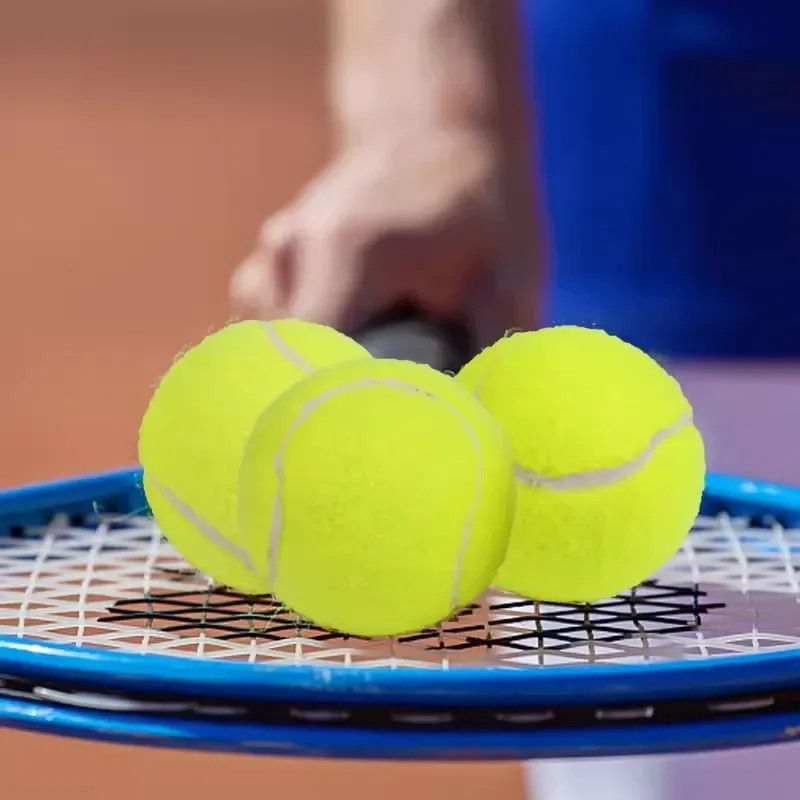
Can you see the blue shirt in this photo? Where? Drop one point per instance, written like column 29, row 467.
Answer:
column 670, row 167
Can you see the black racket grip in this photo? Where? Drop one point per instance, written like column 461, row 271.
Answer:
column 406, row 333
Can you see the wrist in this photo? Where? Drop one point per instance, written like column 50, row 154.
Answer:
column 367, row 109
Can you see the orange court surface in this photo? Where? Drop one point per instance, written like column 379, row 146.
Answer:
column 141, row 143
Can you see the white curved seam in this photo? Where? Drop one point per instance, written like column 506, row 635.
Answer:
column 205, row 528
column 307, row 409
column 285, row 350
column 601, row 477
column 473, row 512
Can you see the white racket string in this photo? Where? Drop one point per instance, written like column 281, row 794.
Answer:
column 115, row 583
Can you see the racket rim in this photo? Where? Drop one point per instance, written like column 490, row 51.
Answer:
column 364, row 743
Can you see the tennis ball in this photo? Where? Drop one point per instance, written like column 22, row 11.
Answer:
column 377, row 497
column 609, row 467
column 194, row 431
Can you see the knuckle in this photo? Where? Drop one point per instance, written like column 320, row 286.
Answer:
column 273, row 232
column 336, row 229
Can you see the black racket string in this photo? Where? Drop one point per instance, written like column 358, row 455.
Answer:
column 225, row 615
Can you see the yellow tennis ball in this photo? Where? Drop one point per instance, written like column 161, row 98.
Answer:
column 194, row 431
column 610, row 468
column 377, row 497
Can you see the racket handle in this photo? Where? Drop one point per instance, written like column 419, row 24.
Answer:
column 406, row 333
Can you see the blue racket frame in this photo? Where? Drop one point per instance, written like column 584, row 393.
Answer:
column 120, row 492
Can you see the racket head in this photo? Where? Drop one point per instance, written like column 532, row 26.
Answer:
column 87, row 647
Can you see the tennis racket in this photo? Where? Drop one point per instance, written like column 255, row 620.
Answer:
column 105, row 633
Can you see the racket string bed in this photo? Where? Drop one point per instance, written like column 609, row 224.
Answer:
column 114, row 582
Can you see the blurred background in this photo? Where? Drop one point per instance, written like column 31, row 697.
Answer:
column 141, row 144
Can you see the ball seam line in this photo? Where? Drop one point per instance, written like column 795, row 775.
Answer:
column 592, row 479
column 284, row 349
column 204, row 527
column 306, row 410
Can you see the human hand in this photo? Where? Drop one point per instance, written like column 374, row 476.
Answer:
column 413, row 219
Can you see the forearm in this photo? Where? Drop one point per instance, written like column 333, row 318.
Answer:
column 406, row 68
column 401, row 65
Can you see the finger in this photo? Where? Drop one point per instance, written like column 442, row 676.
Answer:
column 327, row 279
column 252, row 292
column 278, row 243
column 275, row 234
column 261, row 284
column 441, row 291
